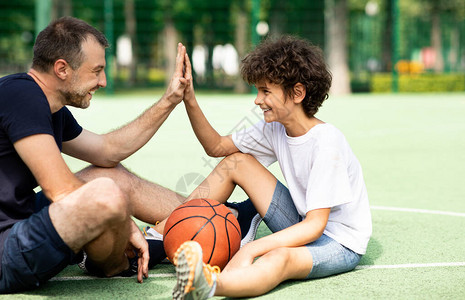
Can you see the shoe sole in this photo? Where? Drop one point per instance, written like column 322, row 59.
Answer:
column 185, row 268
column 250, row 236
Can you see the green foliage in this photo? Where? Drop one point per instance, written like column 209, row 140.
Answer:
column 213, row 22
column 17, row 34
column 427, row 82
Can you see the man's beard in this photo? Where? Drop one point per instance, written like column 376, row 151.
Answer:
column 76, row 96
column 75, row 99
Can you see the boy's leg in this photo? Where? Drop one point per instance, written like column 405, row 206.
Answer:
column 321, row 258
column 242, row 170
column 195, row 280
column 265, row 273
column 275, row 266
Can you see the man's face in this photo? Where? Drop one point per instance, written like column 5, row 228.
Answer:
column 88, row 78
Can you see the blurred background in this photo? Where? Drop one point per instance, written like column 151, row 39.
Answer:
column 376, row 46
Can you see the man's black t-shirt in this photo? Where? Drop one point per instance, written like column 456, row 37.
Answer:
column 24, row 111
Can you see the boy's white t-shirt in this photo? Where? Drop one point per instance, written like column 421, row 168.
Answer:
column 321, row 171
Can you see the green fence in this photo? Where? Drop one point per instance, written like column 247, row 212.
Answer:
column 431, row 46
column 145, row 34
column 217, row 33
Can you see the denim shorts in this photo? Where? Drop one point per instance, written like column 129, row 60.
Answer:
column 33, row 252
column 329, row 257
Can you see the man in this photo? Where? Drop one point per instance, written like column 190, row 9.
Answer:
column 90, row 212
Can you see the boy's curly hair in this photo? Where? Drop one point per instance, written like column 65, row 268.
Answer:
column 286, row 61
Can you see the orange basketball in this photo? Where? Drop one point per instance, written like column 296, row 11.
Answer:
column 207, row 222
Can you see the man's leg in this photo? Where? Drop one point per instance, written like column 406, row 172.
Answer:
column 96, row 218
column 149, row 202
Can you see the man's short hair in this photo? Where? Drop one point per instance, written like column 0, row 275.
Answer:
column 62, row 39
column 286, row 61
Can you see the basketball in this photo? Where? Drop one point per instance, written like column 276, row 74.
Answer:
column 207, row 222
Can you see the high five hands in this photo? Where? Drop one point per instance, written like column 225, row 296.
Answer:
column 181, row 84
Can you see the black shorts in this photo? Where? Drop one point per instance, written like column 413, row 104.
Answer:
column 33, row 253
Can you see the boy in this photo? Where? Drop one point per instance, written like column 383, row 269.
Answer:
column 321, row 222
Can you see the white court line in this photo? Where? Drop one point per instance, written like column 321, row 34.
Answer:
column 77, row 278
column 418, row 210
column 411, row 266
column 360, row 267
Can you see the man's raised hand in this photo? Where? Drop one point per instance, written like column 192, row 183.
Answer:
column 175, row 91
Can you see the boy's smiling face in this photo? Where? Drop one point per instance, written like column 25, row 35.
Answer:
column 272, row 100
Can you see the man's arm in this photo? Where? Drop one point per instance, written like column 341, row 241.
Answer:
column 109, row 149
column 213, row 143
column 42, row 156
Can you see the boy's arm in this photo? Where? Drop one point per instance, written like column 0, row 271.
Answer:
column 302, row 233
column 213, row 143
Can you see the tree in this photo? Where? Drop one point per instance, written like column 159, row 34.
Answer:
column 170, row 40
column 240, row 40
column 130, row 28
column 61, row 8
column 336, row 46
column 436, row 8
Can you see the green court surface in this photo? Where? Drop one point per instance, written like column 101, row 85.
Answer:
column 412, row 150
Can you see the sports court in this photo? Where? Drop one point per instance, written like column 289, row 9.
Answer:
column 411, row 150
column 410, row 145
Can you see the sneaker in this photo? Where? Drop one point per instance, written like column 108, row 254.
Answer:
column 195, row 279
column 156, row 252
column 248, row 219
column 156, row 248
column 89, row 267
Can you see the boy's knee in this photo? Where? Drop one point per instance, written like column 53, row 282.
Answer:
column 279, row 256
column 239, row 161
column 238, row 157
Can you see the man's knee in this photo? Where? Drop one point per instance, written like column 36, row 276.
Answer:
column 92, row 172
column 122, row 176
column 110, row 202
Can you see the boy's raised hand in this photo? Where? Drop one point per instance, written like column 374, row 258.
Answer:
column 189, row 94
column 175, row 91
